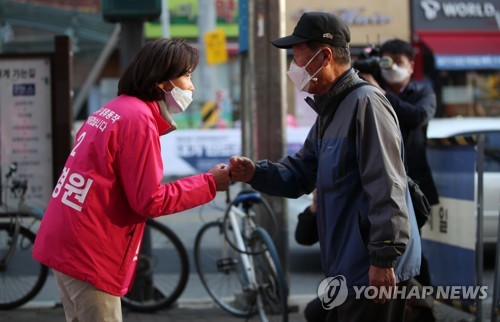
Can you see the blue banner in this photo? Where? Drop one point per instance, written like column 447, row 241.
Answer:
column 449, row 237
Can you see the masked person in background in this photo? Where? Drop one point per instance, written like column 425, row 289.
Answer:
column 111, row 183
column 415, row 105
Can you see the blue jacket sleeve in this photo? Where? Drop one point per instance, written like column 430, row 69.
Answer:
column 292, row 176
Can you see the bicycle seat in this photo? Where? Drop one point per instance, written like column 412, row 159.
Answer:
column 247, row 196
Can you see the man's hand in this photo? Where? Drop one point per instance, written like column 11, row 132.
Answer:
column 221, row 176
column 242, row 169
column 384, row 280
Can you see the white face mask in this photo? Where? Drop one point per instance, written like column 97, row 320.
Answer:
column 178, row 99
column 395, row 74
column 299, row 75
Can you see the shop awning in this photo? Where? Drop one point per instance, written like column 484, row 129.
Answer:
column 464, row 50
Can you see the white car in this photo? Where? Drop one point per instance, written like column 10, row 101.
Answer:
column 490, row 127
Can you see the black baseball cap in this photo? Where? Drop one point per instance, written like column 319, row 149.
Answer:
column 317, row 26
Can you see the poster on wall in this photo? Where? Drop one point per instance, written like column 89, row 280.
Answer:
column 188, row 152
column 26, row 128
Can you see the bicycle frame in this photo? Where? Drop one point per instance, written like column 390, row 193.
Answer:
column 17, row 239
column 15, row 220
column 18, row 188
column 246, row 258
column 4, row 262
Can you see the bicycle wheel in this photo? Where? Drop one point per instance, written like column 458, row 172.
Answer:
column 272, row 302
column 162, row 270
column 221, row 272
column 22, row 277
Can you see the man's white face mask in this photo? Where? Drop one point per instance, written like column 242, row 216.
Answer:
column 299, row 75
column 178, row 99
column 391, row 72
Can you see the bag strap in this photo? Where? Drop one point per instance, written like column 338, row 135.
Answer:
column 340, row 97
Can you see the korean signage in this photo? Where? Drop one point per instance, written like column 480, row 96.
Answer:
column 26, row 126
column 370, row 22
column 187, row 152
column 184, row 19
column 456, row 15
column 216, row 47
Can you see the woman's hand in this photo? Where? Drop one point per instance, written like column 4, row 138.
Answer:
column 221, row 176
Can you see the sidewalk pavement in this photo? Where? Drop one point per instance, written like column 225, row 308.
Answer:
column 192, row 313
column 194, row 305
column 177, row 314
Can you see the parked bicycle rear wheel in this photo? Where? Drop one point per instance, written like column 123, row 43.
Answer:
column 273, row 290
column 22, row 277
column 162, row 270
column 221, row 272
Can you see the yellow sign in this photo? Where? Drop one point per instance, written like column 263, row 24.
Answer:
column 209, row 115
column 215, row 45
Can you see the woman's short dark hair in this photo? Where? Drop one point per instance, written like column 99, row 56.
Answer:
column 158, row 61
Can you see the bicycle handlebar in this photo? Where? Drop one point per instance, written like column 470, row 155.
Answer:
column 12, row 169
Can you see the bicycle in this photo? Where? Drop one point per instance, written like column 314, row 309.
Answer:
column 21, row 277
column 238, row 264
column 162, row 270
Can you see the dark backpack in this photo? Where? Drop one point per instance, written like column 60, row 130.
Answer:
column 421, row 205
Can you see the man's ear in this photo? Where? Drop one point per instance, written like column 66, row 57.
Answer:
column 328, row 54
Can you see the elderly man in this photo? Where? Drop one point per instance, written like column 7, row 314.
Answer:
column 353, row 155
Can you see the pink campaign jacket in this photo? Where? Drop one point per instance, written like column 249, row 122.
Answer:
column 110, row 185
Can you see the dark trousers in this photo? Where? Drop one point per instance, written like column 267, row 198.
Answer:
column 314, row 311
column 365, row 310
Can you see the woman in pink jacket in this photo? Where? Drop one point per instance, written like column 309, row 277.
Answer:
column 91, row 232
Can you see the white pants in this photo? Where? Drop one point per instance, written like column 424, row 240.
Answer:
column 82, row 302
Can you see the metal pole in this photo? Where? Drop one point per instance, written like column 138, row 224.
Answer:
column 480, row 219
column 131, row 41
column 496, row 280
column 62, row 120
column 268, row 96
column 165, row 19
column 206, row 23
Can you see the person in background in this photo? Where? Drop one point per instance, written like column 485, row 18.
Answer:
column 415, row 105
column 367, row 233
column 111, row 184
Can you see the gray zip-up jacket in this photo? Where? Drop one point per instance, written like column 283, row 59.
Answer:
column 362, row 196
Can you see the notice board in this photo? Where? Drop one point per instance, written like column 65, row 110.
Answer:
column 26, row 126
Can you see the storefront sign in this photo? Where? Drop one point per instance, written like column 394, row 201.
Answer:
column 449, row 15
column 460, row 62
column 184, row 19
column 358, row 16
column 370, row 22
